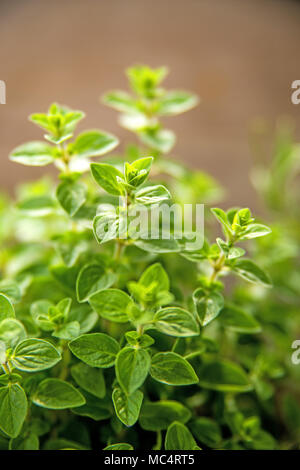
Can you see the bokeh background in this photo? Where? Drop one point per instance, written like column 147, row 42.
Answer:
column 240, row 56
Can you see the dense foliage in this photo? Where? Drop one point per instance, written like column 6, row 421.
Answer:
column 111, row 340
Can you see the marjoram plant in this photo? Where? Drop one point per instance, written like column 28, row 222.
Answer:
column 112, row 340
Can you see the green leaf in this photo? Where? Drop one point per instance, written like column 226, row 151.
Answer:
column 71, row 244
column 119, row 446
column 230, row 252
column 134, row 122
column 158, row 416
column 84, row 315
column 208, row 305
column 11, row 332
column 66, row 276
column 94, row 408
column 67, row 331
column 107, row 226
column 162, row 140
column 137, row 172
column 92, row 278
column 11, row 290
column 6, row 308
column 159, row 245
column 121, row 101
column 28, row 442
column 33, row 154
column 142, row 164
column 262, row 441
column 60, row 122
column 108, row 177
column 207, row 431
column 241, row 219
column 127, row 407
column 63, row 444
column 224, row 376
column 137, row 340
column 237, row 320
column 71, row 196
column 155, row 277
column 178, row 437
column 71, row 117
column 42, row 120
column 56, row 394
column 235, row 252
column 89, row 378
column 2, row 354
column 152, row 289
column 152, row 194
column 221, row 216
column 93, row 143
column 112, row 304
column 175, row 321
column 64, row 306
column 40, row 313
column 254, row 231
column 171, row 368
column 248, row 270
column 144, row 80
column 177, row 102
column 57, row 314
column 95, row 349
column 132, row 367
column 32, row 355
column 38, row 206
column 13, row 409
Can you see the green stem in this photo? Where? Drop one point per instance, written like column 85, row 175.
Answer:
column 140, row 329
column 119, row 249
column 217, row 267
column 193, row 354
column 65, row 158
column 66, row 359
column 158, row 443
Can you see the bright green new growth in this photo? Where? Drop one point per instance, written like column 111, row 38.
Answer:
column 135, row 334
column 141, row 110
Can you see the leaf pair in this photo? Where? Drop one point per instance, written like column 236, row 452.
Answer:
column 117, row 183
column 132, row 368
column 141, row 112
column 60, row 123
column 238, row 224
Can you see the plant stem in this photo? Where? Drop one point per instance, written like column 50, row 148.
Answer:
column 158, row 443
column 140, row 329
column 119, row 249
column 193, row 354
column 65, row 362
column 65, row 157
column 217, row 267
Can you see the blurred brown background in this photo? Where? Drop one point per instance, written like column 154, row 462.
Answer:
column 240, row 56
